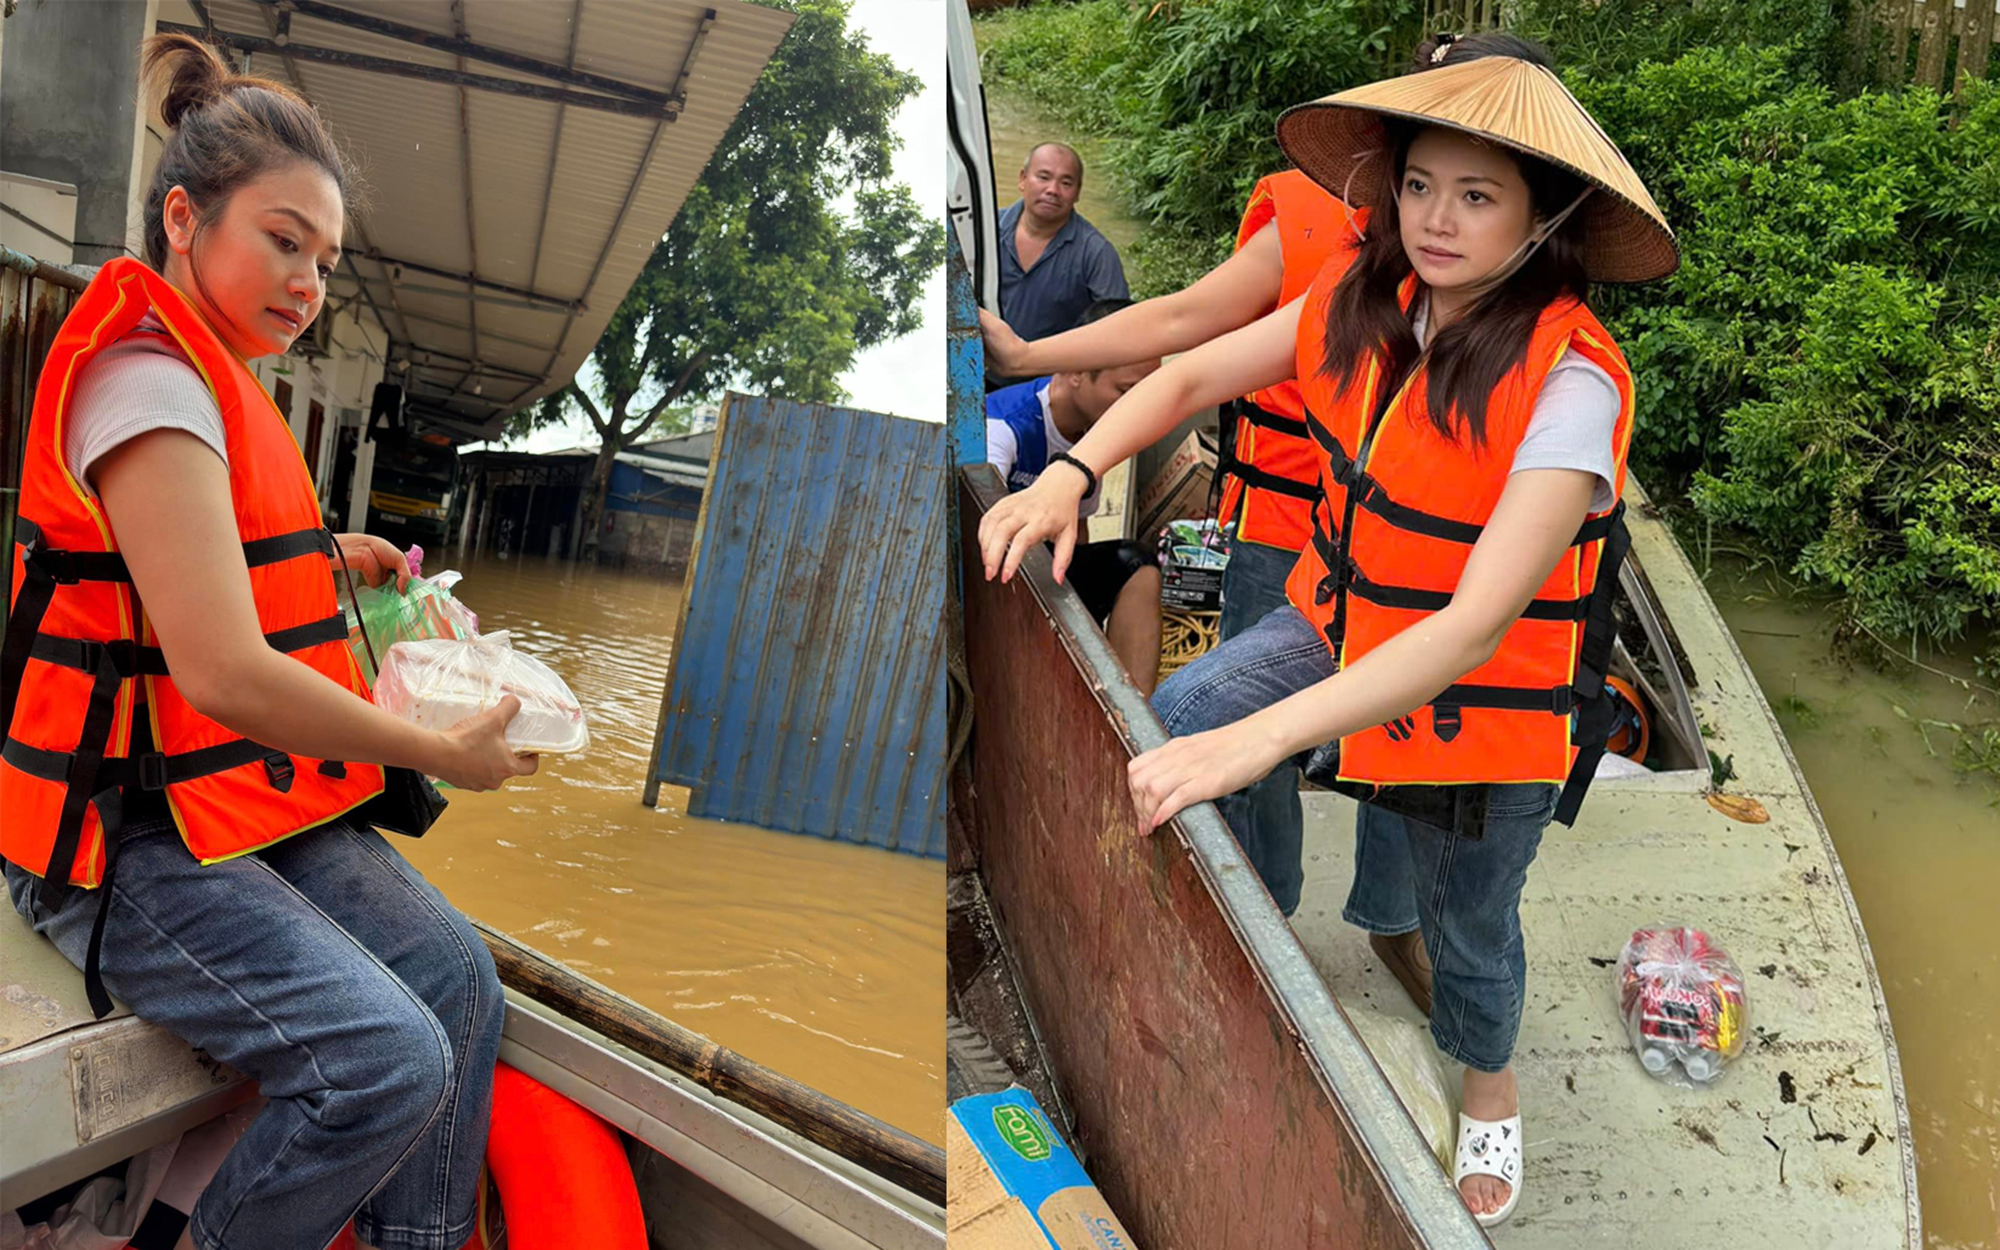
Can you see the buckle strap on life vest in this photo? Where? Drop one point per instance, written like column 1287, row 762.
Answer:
column 152, row 770
column 1258, row 415
column 45, row 568
column 80, row 777
column 1347, row 573
column 1368, row 493
column 1228, row 464
column 1263, row 479
column 152, row 662
column 1597, row 713
column 111, row 813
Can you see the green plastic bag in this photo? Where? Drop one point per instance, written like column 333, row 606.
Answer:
column 380, row 617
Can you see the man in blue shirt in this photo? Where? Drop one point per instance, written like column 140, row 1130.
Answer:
column 1029, row 423
column 1053, row 263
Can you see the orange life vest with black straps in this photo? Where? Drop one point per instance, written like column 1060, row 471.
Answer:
column 78, row 644
column 1270, row 474
column 1403, row 507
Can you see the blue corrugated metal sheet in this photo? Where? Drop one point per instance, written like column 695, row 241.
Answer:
column 965, row 359
column 635, row 490
column 807, row 687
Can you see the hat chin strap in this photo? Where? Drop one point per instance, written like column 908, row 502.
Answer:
column 1507, row 268
column 1529, row 246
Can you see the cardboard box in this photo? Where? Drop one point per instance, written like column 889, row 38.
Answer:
column 1012, row 1184
column 1180, row 489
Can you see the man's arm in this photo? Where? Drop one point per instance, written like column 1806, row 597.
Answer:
column 1001, row 448
column 1107, row 273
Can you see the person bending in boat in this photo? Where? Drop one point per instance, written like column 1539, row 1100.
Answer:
column 1030, row 423
column 188, row 736
column 1270, row 477
column 1448, row 622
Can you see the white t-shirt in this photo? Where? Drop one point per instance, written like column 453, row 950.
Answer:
column 1003, row 449
column 1572, row 426
column 140, row 383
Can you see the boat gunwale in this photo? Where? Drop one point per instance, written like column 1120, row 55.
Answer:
column 1342, row 1066
column 581, row 1064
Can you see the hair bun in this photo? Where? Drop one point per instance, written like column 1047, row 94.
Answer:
column 187, row 73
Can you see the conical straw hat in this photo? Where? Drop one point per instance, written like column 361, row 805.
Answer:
column 1338, row 141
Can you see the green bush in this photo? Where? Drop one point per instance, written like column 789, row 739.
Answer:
column 1823, row 372
column 1185, row 98
column 1821, row 375
column 1071, row 59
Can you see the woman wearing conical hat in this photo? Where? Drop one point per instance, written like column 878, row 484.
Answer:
column 1441, row 655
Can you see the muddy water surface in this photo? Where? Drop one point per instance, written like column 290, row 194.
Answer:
column 1920, row 843
column 822, row 960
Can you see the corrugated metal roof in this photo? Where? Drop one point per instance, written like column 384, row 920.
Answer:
column 807, row 687
column 566, row 201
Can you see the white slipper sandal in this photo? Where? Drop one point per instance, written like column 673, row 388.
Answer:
column 1490, row 1150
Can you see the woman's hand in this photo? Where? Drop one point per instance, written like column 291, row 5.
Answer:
column 1044, row 511
column 1006, row 351
column 476, row 755
column 374, row 560
column 1167, row 780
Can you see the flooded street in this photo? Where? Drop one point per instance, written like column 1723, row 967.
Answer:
column 1916, row 839
column 822, row 960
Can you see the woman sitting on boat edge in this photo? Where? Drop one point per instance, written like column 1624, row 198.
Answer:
column 257, row 916
column 1448, row 622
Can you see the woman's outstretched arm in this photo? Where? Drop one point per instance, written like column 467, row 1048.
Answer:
column 167, row 494
column 1531, row 529
column 1227, row 297
column 1260, row 354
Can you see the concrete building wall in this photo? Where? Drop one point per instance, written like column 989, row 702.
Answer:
column 50, row 212
column 637, row 539
column 69, row 111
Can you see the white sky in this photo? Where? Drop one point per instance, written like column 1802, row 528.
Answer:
column 903, row 376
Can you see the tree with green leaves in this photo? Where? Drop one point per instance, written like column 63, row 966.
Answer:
column 793, row 252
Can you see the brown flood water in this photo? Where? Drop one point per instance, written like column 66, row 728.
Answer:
column 822, row 960
column 1920, row 844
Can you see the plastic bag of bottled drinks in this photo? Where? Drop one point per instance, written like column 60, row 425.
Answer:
column 438, row 682
column 389, row 616
column 1683, row 1002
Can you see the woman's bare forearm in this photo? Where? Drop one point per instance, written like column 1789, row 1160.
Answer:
column 1404, row 673
column 1228, row 297
column 271, row 698
column 1258, row 355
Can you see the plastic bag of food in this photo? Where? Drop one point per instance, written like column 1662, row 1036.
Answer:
column 1683, row 1002
column 438, row 682
column 389, row 616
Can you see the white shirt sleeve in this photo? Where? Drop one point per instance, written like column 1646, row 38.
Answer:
column 141, row 383
column 1001, row 447
column 1572, row 426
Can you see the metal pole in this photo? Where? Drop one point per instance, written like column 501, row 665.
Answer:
column 431, row 73
column 461, row 46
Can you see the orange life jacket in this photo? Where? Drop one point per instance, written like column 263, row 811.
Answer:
column 78, row 643
column 1272, row 470
column 1403, row 507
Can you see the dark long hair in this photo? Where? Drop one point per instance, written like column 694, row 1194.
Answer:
column 1470, row 356
column 228, row 129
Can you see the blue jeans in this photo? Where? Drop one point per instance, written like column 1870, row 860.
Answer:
column 364, row 1005
column 1464, row 893
column 1253, row 586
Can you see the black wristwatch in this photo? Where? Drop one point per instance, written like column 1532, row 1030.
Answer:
column 1081, row 467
